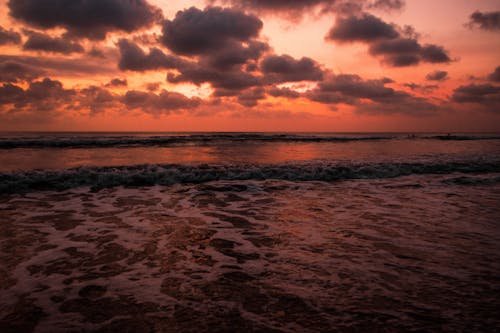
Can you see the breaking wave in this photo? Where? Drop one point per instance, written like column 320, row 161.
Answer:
column 200, row 139
column 169, row 174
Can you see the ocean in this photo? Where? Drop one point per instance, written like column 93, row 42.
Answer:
column 249, row 232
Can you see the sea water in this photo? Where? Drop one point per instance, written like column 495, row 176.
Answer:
column 249, row 232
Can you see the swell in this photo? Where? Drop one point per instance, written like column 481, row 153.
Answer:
column 131, row 141
column 169, row 174
column 98, row 142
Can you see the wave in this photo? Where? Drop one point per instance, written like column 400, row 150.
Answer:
column 169, row 174
column 200, row 139
column 461, row 137
column 128, row 141
column 464, row 180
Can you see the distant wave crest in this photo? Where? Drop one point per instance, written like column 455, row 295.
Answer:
column 200, row 139
column 169, row 174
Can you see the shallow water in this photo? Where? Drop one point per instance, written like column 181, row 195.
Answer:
column 416, row 253
column 49, row 151
column 249, row 232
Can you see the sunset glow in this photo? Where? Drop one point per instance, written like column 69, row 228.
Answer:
column 241, row 65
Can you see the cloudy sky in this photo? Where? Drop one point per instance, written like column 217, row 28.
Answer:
column 250, row 65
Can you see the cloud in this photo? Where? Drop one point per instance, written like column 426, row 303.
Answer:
column 231, row 80
column 387, row 4
column 95, row 99
column 220, row 42
column 296, row 9
column 133, row 58
column 495, row 76
column 163, row 103
column 86, row 18
column 398, row 52
column 11, row 71
column 423, row 88
column 62, row 66
column 401, row 52
column 41, row 96
column 251, row 97
column 351, row 86
column 283, row 92
column 42, row 42
column 11, row 94
column 9, row 36
column 194, row 31
column 116, row 82
column 284, row 68
column 411, row 105
column 368, row 96
column 153, row 86
column 397, row 47
column 437, row 76
column 486, row 21
column 50, row 97
column 434, row 54
column 364, row 28
column 486, row 95
column 235, row 54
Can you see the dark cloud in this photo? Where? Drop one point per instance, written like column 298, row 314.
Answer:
column 96, row 53
column 401, row 52
column 280, row 5
column 163, row 103
column 86, row 18
column 194, row 31
column 251, row 97
column 495, row 76
column 397, row 47
column 132, row 57
column 387, row 4
column 423, row 88
column 47, row 91
column 411, row 105
column 364, row 28
column 435, row 54
column 353, row 86
column 9, row 36
column 46, row 95
column 153, row 86
column 437, row 76
column 41, row 42
column 95, row 99
column 11, row 94
column 63, row 66
column 116, row 82
column 50, row 97
column 486, row 95
column 11, row 71
column 369, row 96
column 231, row 80
column 283, row 92
column 234, row 80
column 296, row 9
column 284, row 68
column 486, row 21
column 235, row 54
column 398, row 52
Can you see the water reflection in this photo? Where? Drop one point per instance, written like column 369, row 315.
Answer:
column 247, row 152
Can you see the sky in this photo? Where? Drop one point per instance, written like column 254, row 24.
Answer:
column 250, row 65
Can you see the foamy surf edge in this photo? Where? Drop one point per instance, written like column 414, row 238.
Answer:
column 169, row 174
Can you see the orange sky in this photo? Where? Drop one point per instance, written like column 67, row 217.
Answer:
column 350, row 81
